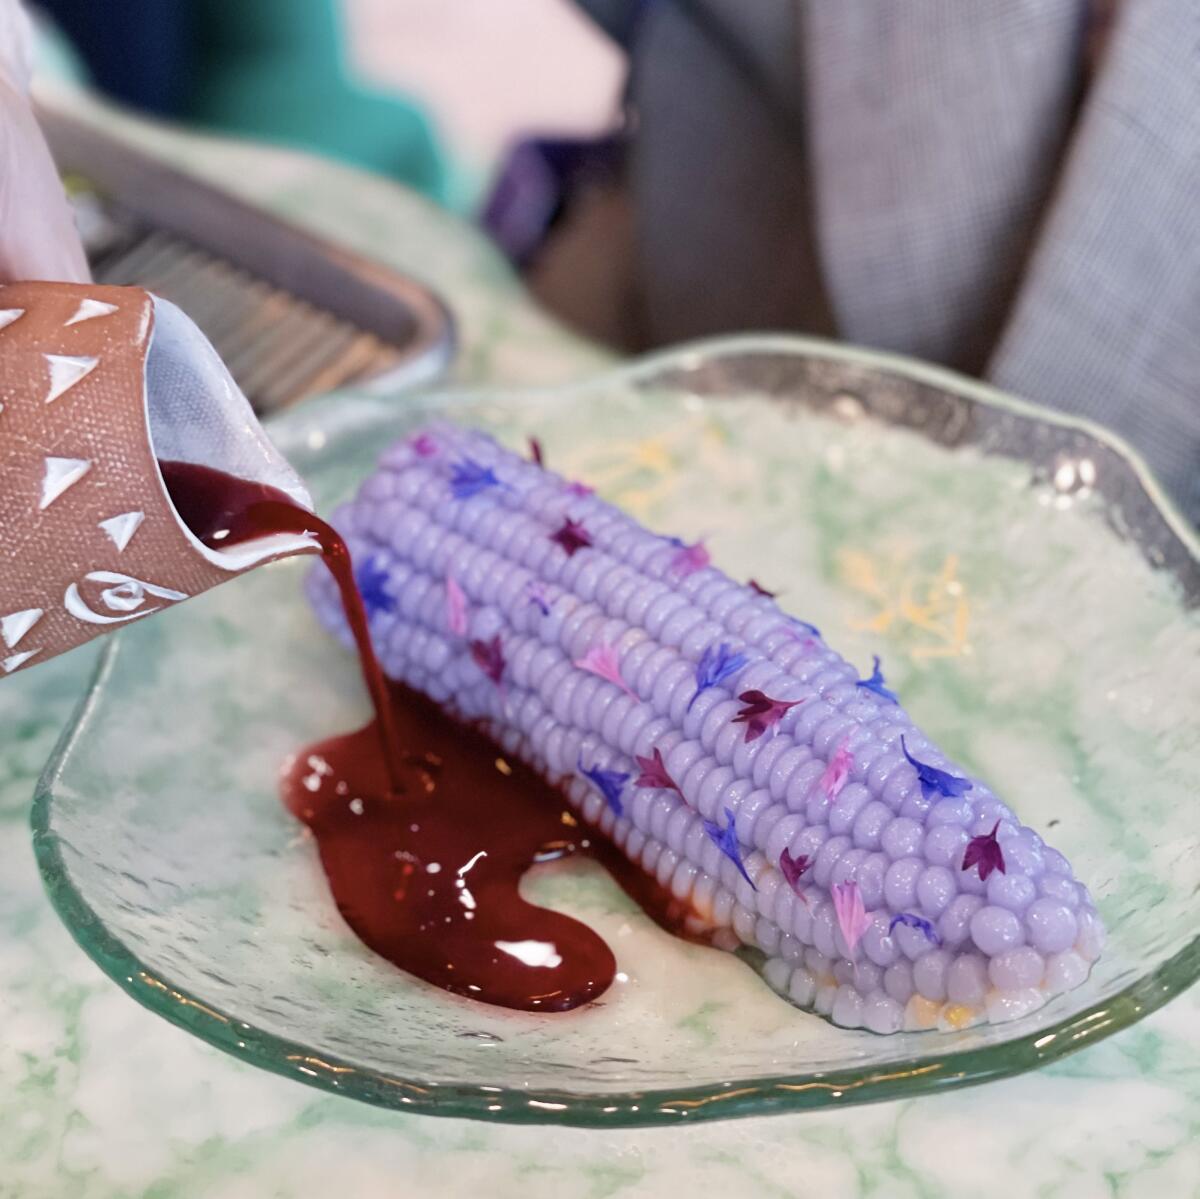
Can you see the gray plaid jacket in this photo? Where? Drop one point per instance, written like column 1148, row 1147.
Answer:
column 989, row 184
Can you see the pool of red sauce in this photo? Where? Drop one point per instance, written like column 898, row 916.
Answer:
column 425, row 826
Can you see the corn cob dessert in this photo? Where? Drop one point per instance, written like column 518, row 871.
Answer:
column 720, row 743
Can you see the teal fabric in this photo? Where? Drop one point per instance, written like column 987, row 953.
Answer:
column 275, row 69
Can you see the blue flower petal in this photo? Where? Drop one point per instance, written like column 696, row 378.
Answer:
column 716, row 664
column 935, row 781
column 468, row 478
column 371, row 578
column 875, row 683
column 726, row 841
column 610, row 784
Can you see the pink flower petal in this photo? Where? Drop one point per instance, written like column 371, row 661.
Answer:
column 838, row 771
column 851, row 915
column 603, row 660
column 690, row 558
column 456, row 608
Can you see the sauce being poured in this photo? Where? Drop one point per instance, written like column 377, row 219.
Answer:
column 424, row 826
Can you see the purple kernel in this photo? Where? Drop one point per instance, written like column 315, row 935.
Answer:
column 1060, row 887
column 877, row 943
column 1052, row 925
column 898, row 981
column 935, row 889
column 902, row 838
column 870, row 823
column 870, row 876
column 966, row 980
column 900, row 882
column 1016, row 970
column 845, row 809
column 996, row 930
column 954, row 924
column 1013, row 891
column 945, row 844
column 827, row 859
column 882, row 1014
column 929, row 975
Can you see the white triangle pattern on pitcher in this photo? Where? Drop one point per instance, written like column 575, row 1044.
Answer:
column 90, row 309
column 15, row 625
column 120, row 529
column 14, row 660
column 8, row 315
column 65, row 372
column 61, row 473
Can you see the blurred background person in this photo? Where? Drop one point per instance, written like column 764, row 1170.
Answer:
column 1007, row 187
column 271, row 69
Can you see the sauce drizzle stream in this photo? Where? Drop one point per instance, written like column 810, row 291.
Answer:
column 424, row 826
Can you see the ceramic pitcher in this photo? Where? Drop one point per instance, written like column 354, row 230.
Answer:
column 97, row 384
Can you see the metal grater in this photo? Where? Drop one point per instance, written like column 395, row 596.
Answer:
column 290, row 314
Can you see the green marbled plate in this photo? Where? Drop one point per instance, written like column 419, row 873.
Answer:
column 1033, row 596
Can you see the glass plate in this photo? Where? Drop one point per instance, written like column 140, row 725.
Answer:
column 1035, row 601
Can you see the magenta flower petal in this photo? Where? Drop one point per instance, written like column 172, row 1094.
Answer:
column 571, row 537
column 761, row 712
column 489, row 657
column 984, row 851
column 792, row 868
column 424, row 445
column 688, row 559
column 654, row 773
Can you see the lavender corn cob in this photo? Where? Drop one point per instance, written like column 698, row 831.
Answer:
column 720, row 743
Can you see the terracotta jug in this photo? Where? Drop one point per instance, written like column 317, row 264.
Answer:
column 97, row 384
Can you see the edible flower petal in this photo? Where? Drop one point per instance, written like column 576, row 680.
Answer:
column 604, row 661
column 688, row 559
column 762, row 713
column 716, row 664
column 851, row 915
column 792, row 868
column 424, row 445
column 610, row 784
column 654, row 773
column 468, row 478
column 489, row 657
column 935, row 781
column 537, row 595
column 837, row 772
column 726, row 841
column 876, row 683
column 922, row 926
column 580, row 490
column 371, row 578
column 984, row 851
column 572, row 536
column 456, row 608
